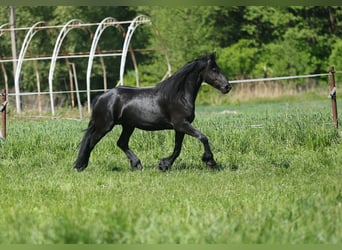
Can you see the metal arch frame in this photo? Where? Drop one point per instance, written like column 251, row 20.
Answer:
column 135, row 23
column 72, row 24
column 105, row 23
column 76, row 23
column 2, row 66
column 2, row 27
column 32, row 31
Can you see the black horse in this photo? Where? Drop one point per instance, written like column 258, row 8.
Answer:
column 169, row 105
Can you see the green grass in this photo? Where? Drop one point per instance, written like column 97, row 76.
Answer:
column 279, row 183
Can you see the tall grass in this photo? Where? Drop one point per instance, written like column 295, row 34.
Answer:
column 243, row 93
column 280, row 181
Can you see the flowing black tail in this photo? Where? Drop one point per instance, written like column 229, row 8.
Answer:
column 101, row 122
column 85, row 147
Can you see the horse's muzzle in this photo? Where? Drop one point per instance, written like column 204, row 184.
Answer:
column 226, row 88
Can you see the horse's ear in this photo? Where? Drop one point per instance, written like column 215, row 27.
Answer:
column 211, row 57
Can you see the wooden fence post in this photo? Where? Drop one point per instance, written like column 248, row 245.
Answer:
column 3, row 111
column 333, row 95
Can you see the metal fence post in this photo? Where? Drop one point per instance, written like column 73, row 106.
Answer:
column 77, row 90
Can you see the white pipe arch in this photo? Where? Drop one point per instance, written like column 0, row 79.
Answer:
column 72, row 24
column 109, row 21
column 2, row 27
column 142, row 19
column 66, row 28
column 105, row 23
column 135, row 23
column 32, row 31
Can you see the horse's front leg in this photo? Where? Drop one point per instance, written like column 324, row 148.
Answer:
column 208, row 156
column 166, row 163
column 123, row 145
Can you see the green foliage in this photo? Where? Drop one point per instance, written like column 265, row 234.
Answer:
column 239, row 59
column 279, row 183
column 294, row 60
column 335, row 58
column 266, row 24
column 187, row 32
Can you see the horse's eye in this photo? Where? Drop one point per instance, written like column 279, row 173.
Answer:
column 215, row 70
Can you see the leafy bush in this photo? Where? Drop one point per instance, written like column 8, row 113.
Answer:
column 284, row 58
column 238, row 60
column 335, row 58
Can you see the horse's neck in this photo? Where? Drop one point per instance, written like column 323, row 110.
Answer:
column 192, row 86
column 185, row 87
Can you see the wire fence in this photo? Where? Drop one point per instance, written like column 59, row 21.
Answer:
column 256, row 80
column 278, row 78
column 332, row 95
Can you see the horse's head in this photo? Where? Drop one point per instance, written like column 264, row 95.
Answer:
column 214, row 77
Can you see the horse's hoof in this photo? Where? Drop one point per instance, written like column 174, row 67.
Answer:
column 79, row 168
column 211, row 163
column 163, row 166
column 138, row 166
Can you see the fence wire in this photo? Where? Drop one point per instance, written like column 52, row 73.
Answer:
column 218, row 126
column 231, row 81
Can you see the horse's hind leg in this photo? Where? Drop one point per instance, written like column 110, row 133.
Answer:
column 123, row 145
column 94, row 133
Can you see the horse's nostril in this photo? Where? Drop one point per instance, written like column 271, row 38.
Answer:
column 226, row 88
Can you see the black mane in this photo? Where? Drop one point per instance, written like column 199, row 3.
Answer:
column 175, row 82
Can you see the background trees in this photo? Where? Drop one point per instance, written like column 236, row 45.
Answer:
column 250, row 41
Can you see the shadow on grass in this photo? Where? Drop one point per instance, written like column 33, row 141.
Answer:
column 204, row 167
column 114, row 169
column 176, row 167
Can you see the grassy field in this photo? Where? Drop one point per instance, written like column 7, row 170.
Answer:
column 280, row 181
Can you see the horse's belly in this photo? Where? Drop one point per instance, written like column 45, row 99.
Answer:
column 149, row 124
column 150, row 127
column 146, row 118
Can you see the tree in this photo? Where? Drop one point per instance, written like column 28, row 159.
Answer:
column 187, row 32
column 239, row 60
column 266, row 24
column 315, row 31
column 284, row 58
column 335, row 58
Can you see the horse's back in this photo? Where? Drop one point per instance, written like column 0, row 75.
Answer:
column 136, row 107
